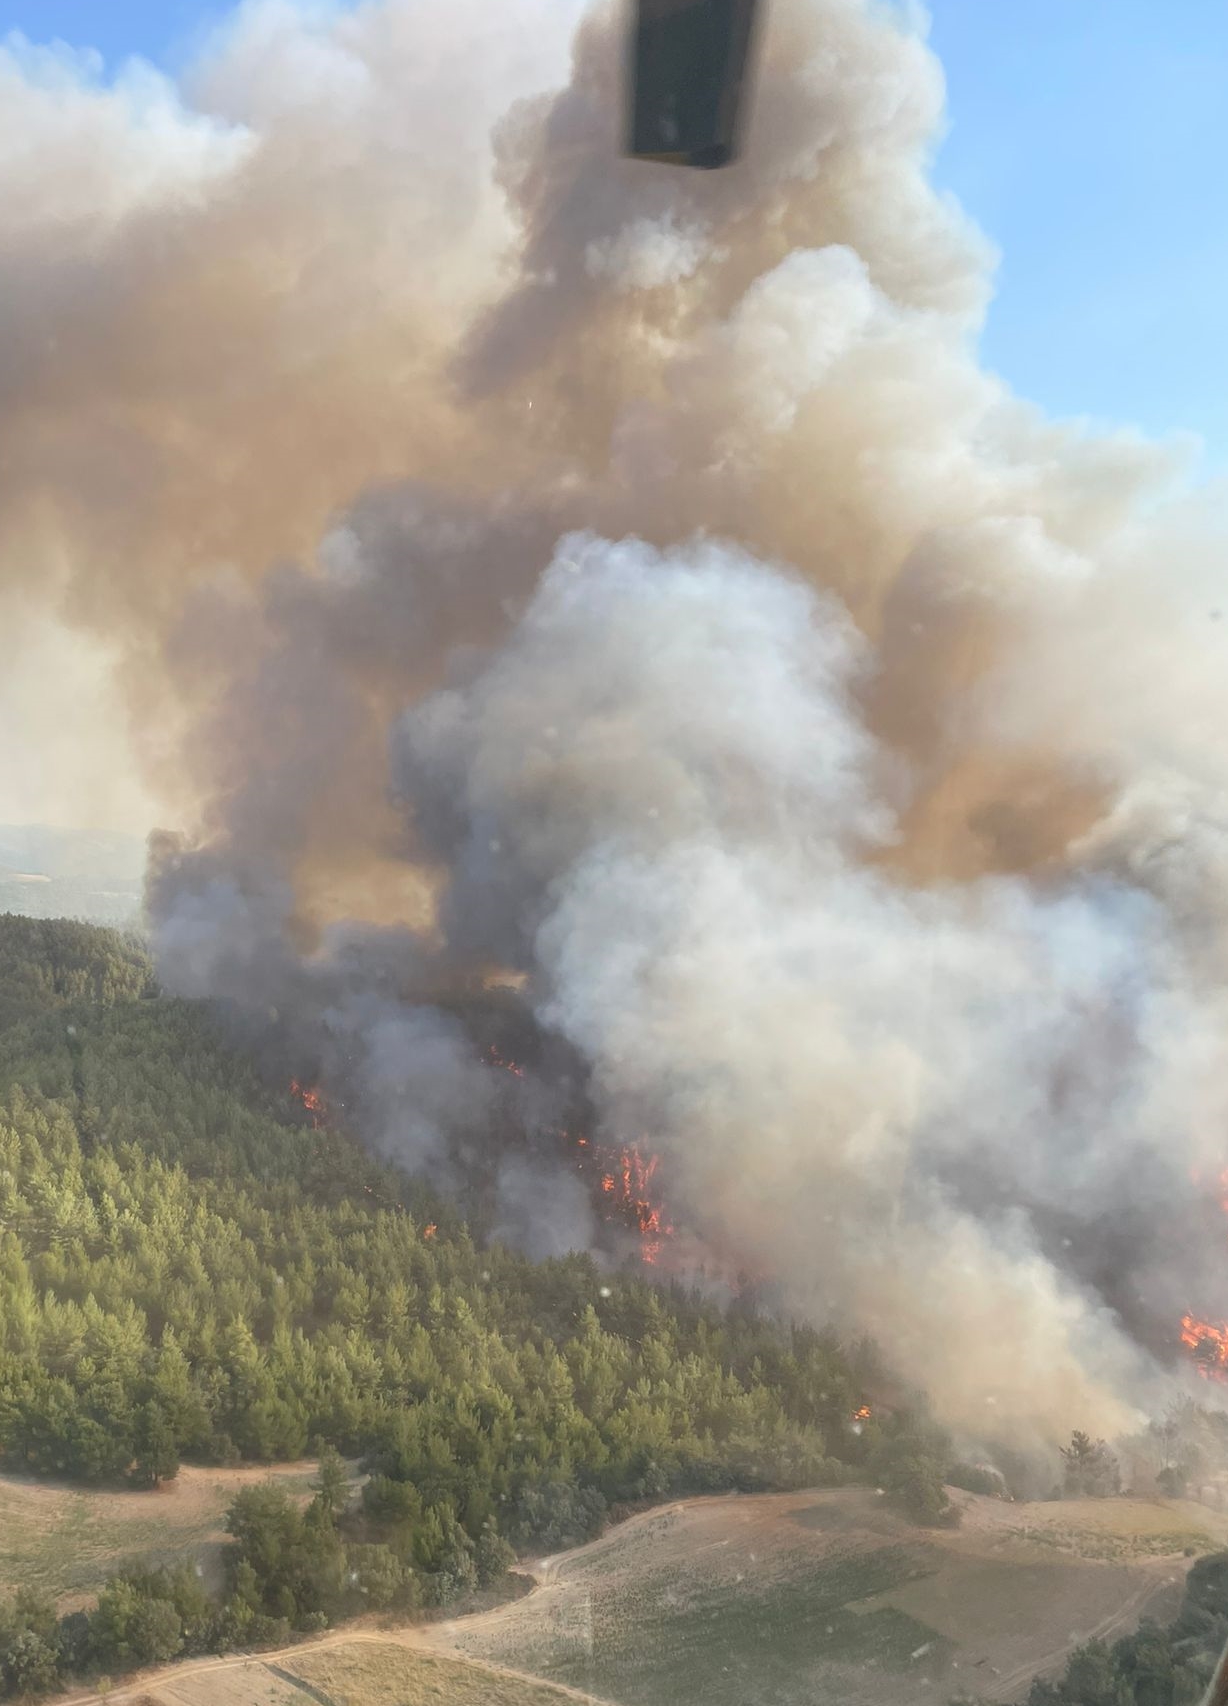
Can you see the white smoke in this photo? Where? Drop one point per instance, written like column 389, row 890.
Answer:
column 666, row 758
column 829, row 744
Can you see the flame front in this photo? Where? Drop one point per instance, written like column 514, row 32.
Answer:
column 624, row 1175
column 628, row 1188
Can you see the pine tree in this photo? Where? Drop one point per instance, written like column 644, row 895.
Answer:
column 157, row 1457
column 332, row 1482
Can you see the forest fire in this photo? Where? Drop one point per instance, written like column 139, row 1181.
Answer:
column 1208, row 1340
column 627, row 1190
column 312, row 1100
column 501, row 1060
column 624, row 1176
column 1209, row 1343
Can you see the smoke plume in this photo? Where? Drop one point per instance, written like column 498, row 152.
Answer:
column 626, row 584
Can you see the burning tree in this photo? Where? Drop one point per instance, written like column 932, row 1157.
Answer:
column 1209, row 1344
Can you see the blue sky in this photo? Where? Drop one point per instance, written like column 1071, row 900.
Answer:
column 1089, row 140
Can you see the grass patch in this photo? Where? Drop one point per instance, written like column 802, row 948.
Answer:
column 65, row 1543
column 370, row 1674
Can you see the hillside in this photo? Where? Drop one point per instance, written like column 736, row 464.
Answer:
column 185, row 1256
column 197, row 1285
column 47, row 965
column 191, row 1272
column 824, row 1597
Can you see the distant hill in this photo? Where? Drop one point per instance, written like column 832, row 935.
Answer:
column 87, row 874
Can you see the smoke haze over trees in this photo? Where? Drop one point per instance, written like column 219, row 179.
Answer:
column 1090, row 1469
column 523, row 563
column 189, row 1269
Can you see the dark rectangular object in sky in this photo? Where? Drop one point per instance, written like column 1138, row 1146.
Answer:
column 688, row 63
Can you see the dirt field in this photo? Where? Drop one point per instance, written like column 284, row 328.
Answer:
column 349, row 1668
column 66, row 1541
column 828, row 1596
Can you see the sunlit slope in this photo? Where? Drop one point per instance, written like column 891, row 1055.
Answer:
column 373, row 1673
column 797, row 1599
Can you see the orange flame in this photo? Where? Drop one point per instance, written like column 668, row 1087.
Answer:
column 1209, row 1344
column 498, row 1059
column 623, row 1175
column 313, row 1100
column 862, row 1414
column 1208, row 1340
column 630, row 1187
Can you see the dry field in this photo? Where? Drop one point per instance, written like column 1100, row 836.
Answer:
column 800, row 1599
column 387, row 1674
column 822, row 1597
column 66, row 1541
column 356, row 1668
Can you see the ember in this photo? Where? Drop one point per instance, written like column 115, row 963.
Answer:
column 317, row 1105
column 498, row 1059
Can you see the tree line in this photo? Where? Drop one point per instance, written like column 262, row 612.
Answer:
column 289, row 1570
